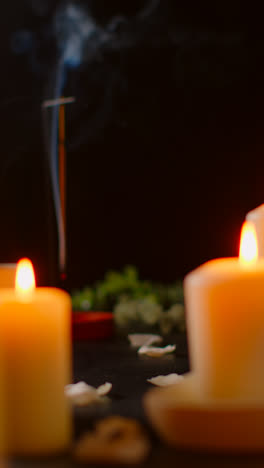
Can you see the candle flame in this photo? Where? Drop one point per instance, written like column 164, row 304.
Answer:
column 248, row 251
column 25, row 277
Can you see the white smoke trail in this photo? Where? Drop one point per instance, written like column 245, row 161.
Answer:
column 54, row 170
column 77, row 34
column 76, row 28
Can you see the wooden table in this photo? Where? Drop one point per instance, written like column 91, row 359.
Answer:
column 116, row 362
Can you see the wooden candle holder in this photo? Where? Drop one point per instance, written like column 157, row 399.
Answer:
column 184, row 419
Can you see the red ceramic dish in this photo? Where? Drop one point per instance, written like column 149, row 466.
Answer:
column 92, row 325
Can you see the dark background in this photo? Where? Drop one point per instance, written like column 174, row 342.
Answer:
column 165, row 142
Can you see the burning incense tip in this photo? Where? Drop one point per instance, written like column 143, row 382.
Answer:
column 58, row 102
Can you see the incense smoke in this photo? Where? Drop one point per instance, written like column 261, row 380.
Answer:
column 75, row 29
column 81, row 39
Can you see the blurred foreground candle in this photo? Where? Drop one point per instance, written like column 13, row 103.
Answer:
column 256, row 217
column 36, row 344
column 7, row 275
column 3, row 413
column 225, row 323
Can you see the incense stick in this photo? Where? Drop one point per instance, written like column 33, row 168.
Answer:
column 58, row 168
column 54, row 164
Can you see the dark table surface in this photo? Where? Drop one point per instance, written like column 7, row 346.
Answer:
column 116, row 362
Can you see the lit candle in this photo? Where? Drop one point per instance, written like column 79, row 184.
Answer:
column 7, row 275
column 3, row 413
column 256, row 217
column 225, row 322
column 36, row 345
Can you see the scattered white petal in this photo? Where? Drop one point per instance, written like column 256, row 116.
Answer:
column 82, row 394
column 165, row 380
column 78, row 389
column 143, row 339
column 104, row 389
column 156, row 352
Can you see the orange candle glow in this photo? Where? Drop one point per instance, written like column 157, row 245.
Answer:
column 36, row 343
column 256, row 217
column 219, row 405
column 25, row 277
column 225, row 321
column 248, row 251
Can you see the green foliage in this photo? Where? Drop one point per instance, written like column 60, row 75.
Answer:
column 134, row 302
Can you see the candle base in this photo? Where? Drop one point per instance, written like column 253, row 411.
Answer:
column 184, row 419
